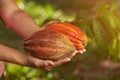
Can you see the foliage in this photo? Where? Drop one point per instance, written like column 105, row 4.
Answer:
column 98, row 19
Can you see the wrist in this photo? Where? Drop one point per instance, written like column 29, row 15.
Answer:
column 29, row 61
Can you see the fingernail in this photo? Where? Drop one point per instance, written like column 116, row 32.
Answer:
column 68, row 59
column 52, row 63
column 81, row 51
column 76, row 51
column 84, row 50
column 73, row 54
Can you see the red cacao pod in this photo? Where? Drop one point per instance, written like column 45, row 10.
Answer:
column 76, row 36
column 48, row 45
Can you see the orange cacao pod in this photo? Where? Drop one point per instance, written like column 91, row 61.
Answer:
column 76, row 36
column 48, row 45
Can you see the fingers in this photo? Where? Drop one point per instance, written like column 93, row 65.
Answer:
column 48, row 65
column 73, row 54
column 57, row 63
column 82, row 51
column 38, row 63
column 45, row 64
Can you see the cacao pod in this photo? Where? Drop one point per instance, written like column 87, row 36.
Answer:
column 76, row 36
column 48, row 45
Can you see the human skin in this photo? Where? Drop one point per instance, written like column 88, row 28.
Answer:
column 20, row 22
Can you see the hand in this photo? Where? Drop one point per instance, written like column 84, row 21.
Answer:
column 67, row 59
column 47, row 64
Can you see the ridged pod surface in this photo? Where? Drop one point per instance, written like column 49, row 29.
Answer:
column 76, row 36
column 48, row 45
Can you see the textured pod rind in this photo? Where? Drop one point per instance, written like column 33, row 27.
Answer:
column 48, row 45
column 76, row 36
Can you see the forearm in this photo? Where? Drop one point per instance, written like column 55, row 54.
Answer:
column 17, row 20
column 11, row 55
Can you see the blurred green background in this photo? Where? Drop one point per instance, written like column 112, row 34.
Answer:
column 99, row 19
